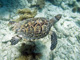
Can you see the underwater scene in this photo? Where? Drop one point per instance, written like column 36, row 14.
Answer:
column 39, row 29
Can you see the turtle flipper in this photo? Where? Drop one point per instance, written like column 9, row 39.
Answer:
column 15, row 39
column 53, row 40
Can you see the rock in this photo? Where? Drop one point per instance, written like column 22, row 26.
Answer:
column 76, row 9
column 78, row 0
column 56, row 2
column 1, row 4
column 37, row 3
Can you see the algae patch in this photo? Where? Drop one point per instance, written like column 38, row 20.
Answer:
column 27, row 51
column 25, row 14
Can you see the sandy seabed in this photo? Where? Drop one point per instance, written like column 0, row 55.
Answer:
column 67, row 30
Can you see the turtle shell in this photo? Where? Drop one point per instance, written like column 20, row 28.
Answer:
column 34, row 27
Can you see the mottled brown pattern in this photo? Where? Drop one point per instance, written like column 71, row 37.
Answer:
column 36, row 27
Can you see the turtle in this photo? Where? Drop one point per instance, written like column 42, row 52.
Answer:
column 35, row 28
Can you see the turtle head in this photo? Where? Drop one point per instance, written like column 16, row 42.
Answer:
column 55, row 19
column 58, row 17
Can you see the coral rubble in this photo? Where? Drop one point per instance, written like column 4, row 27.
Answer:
column 37, row 3
column 78, row 37
column 40, row 3
column 67, row 30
